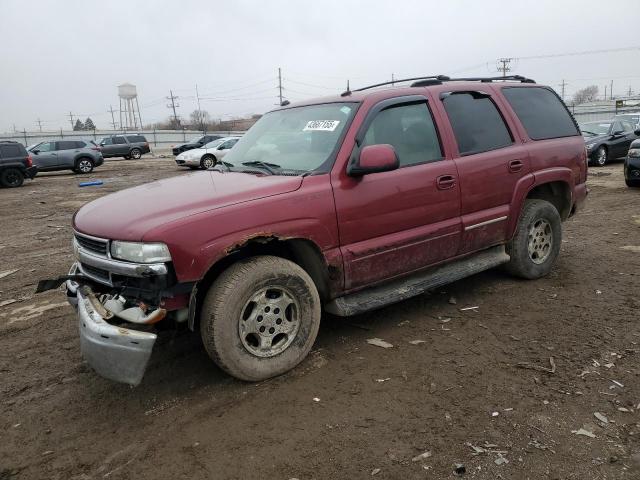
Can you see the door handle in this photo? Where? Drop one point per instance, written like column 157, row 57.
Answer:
column 515, row 166
column 445, row 182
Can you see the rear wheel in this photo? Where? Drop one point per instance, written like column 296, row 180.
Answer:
column 11, row 178
column 601, row 156
column 135, row 153
column 632, row 183
column 260, row 317
column 84, row 165
column 536, row 243
column 207, row 161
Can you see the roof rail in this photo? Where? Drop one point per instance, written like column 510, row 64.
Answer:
column 517, row 78
column 434, row 78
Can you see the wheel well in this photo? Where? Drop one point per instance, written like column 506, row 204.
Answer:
column 556, row 193
column 208, row 155
column 84, row 156
column 300, row 251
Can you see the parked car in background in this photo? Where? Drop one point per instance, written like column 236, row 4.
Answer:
column 633, row 117
column 15, row 164
column 632, row 165
column 126, row 146
column 608, row 140
column 194, row 143
column 77, row 155
column 347, row 203
column 208, row 155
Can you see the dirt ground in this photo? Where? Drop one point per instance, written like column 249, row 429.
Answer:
column 351, row 410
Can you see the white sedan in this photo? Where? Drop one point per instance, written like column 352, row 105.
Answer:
column 207, row 155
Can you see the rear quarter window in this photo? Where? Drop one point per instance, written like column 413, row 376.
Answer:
column 136, row 139
column 541, row 112
column 10, row 151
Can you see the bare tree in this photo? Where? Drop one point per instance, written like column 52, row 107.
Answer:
column 584, row 95
column 199, row 119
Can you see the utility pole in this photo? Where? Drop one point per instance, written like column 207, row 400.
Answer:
column 630, row 92
column 393, row 79
column 173, row 106
column 605, row 92
column 39, row 122
column 200, row 116
column 113, row 119
column 611, row 91
column 280, row 84
column 563, row 86
column 504, row 67
column 71, row 119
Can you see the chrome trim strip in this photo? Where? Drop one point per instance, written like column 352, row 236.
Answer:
column 487, row 222
column 128, row 269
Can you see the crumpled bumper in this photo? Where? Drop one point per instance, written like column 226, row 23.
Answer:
column 114, row 352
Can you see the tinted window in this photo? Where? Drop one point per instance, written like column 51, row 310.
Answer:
column 476, row 123
column 67, row 145
column 410, row 130
column 46, row 147
column 9, row 151
column 119, row 140
column 106, row 141
column 136, row 139
column 541, row 112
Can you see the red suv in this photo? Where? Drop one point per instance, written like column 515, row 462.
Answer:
column 346, row 204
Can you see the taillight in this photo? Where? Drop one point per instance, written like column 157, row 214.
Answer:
column 29, row 161
column 146, row 144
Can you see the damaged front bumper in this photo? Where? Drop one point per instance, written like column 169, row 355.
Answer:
column 114, row 352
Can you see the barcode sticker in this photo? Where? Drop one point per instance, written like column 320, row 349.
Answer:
column 321, row 125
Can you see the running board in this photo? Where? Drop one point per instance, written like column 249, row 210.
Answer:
column 417, row 283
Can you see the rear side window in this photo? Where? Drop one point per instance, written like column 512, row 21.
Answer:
column 67, row 145
column 10, row 151
column 136, row 139
column 119, row 140
column 409, row 128
column 476, row 122
column 541, row 112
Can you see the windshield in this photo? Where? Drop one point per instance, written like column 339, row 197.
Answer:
column 595, row 128
column 299, row 139
column 214, row 144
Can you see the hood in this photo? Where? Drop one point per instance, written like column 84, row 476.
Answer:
column 594, row 138
column 129, row 214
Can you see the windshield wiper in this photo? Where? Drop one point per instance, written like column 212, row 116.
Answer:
column 269, row 167
column 588, row 132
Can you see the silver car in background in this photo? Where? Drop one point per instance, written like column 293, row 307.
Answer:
column 78, row 155
column 207, row 155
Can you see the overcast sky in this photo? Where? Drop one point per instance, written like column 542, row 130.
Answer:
column 69, row 55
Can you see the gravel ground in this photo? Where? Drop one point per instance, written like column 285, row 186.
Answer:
column 507, row 389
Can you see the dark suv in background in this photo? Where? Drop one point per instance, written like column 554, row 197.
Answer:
column 15, row 164
column 194, row 143
column 77, row 155
column 127, row 146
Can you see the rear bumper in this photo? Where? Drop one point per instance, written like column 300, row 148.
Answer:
column 632, row 168
column 117, row 353
column 580, row 193
column 31, row 172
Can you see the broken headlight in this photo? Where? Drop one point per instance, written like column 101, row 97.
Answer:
column 140, row 252
column 634, row 152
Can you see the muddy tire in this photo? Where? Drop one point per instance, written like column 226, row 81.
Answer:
column 260, row 318
column 536, row 243
column 207, row 161
column 135, row 153
column 11, row 178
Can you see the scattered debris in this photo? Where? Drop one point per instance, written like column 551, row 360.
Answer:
column 416, row 342
column 432, row 388
column 4, row 303
column 375, row 471
column 536, row 444
column 380, row 380
column 500, row 460
column 469, row 308
column 6, row 273
column 598, row 292
column 422, row 456
column 453, row 301
column 48, row 452
column 609, row 365
column 601, row 417
column 622, row 409
column 617, row 383
column 459, row 469
column 631, row 248
column 495, row 414
column 378, row 342
column 582, row 431
column 90, row 183
column 316, row 399
column 538, row 367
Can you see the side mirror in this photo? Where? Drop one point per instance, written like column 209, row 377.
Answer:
column 374, row 159
column 222, row 147
column 35, row 152
column 618, row 133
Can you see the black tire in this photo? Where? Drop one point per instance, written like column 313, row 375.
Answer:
column 135, row 153
column 207, row 161
column 224, row 318
column 536, row 243
column 632, row 183
column 194, row 168
column 84, row 165
column 601, row 156
column 11, row 178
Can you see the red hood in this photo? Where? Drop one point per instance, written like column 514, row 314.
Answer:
column 129, row 214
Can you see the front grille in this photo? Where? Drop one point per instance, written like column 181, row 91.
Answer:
column 92, row 244
column 94, row 272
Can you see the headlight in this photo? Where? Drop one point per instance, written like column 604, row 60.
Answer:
column 589, row 146
column 140, row 252
column 634, row 152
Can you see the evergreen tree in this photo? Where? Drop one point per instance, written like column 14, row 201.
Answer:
column 78, row 126
column 88, row 124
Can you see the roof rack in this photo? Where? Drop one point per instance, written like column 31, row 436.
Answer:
column 437, row 80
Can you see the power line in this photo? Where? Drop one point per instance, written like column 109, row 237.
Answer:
column 583, row 52
column 504, row 67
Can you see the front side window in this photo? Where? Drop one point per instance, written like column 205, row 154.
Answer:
column 542, row 113
column 476, row 122
column 299, row 139
column 46, row 147
column 119, row 140
column 410, row 130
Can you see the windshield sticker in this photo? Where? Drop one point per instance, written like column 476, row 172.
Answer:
column 321, row 125
column 346, row 110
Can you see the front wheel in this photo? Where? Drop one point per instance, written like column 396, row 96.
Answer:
column 11, row 178
column 536, row 243
column 601, row 156
column 208, row 161
column 135, row 153
column 260, row 317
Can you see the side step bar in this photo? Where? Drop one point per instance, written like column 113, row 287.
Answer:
column 417, row 283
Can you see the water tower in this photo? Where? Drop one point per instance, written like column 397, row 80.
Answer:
column 130, row 118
